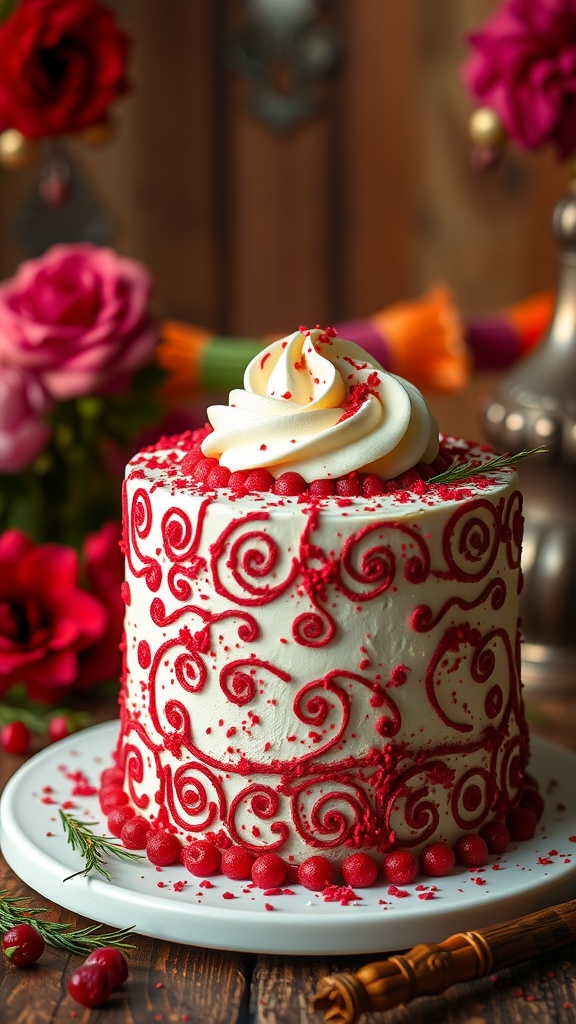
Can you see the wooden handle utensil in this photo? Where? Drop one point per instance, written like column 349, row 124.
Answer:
column 429, row 969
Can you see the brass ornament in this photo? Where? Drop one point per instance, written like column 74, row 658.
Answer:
column 16, row 150
column 486, row 128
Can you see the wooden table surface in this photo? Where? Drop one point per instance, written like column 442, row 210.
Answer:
column 171, row 983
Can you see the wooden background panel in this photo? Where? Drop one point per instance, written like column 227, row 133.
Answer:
column 371, row 201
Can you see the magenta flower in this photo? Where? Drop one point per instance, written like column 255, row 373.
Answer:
column 78, row 316
column 46, row 619
column 523, row 66
column 23, row 433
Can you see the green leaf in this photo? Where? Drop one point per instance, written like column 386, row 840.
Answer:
column 7, row 7
column 459, row 471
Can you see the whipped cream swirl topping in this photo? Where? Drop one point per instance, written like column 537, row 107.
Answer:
column 313, row 403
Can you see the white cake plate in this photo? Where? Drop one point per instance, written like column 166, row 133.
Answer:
column 171, row 904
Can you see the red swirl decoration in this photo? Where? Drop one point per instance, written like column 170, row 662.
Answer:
column 313, row 628
column 471, row 540
column 138, row 523
column 418, row 811
column 134, row 767
column 513, row 529
column 250, row 558
column 194, row 796
column 423, row 619
column 181, row 542
column 473, row 797
column 335, row 817
column 512, row 767
column 374, row 568
column 264, row 803
column 239, row 680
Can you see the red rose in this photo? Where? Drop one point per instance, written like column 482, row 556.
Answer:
column 61, row 66
column 104, row 567
column 45, row 618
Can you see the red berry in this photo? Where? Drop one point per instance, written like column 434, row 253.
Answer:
column 201, row 858
column 496, row 836
column 268, row 871
column 521, row 823
column 163, row 848
column 203, row 468
column 90, row 985
column 58, row 728
column 111, row 797
column 316, row 873
column 118, row 818
column 237, row 481
column 359, row 870
column 135, row 833
column 532, row 799
column 259, row 480
column 471, row 851
column 372, row 485
column 322, row 488
column 237, row 863
column 437, row 860
column 400, row 867
column 15, row 738
column 112, row 777
column 349, row 486
column 189, row 461
column 290, row 484
column 409, row 478
column 23, row 945
column 113, row 961
column 218, row 477
column 425, row 470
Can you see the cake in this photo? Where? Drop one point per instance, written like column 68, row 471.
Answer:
column 321, row 631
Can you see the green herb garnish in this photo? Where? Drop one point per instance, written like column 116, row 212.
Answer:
column 15, row 910
column 462, row 471
column 95, row 849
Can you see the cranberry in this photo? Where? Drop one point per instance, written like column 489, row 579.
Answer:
column 496, row 836
column 15, row 738
column 237, row 863
column 203, row 468
column 290, row 484
column 409, row 478
column 111, row 797
column 237, row 481
column 259, row 480
column 111, row 777
column 372, row 485
column 118, row 818
column 532, row 799
column 521, row 823
column 437, row 860
column 23, row 945
column 316, row 873
column 268, row 871
column 90, row 985
column 189, row 461
column 135, row 833
column 163, row 848
column 471, row 851
column 201, row 858
column 359, row 870
column 349, row 486
column 218, row 477
column 400, row 867
column 113, row 961
column 58, row 728
column 322, row 488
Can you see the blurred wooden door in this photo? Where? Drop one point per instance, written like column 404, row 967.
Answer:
column 247, row 229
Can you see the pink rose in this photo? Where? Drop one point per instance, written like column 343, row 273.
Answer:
column 104, row 567
column 524, row 68
column 23, row 434
column 79, row 317
column 46, row 620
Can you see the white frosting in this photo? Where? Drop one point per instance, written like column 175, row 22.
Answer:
column 312, row 404
column 279, row 653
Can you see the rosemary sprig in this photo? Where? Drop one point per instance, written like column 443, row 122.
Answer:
column 16, row 910
column 461, row 471
column 93, row 848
